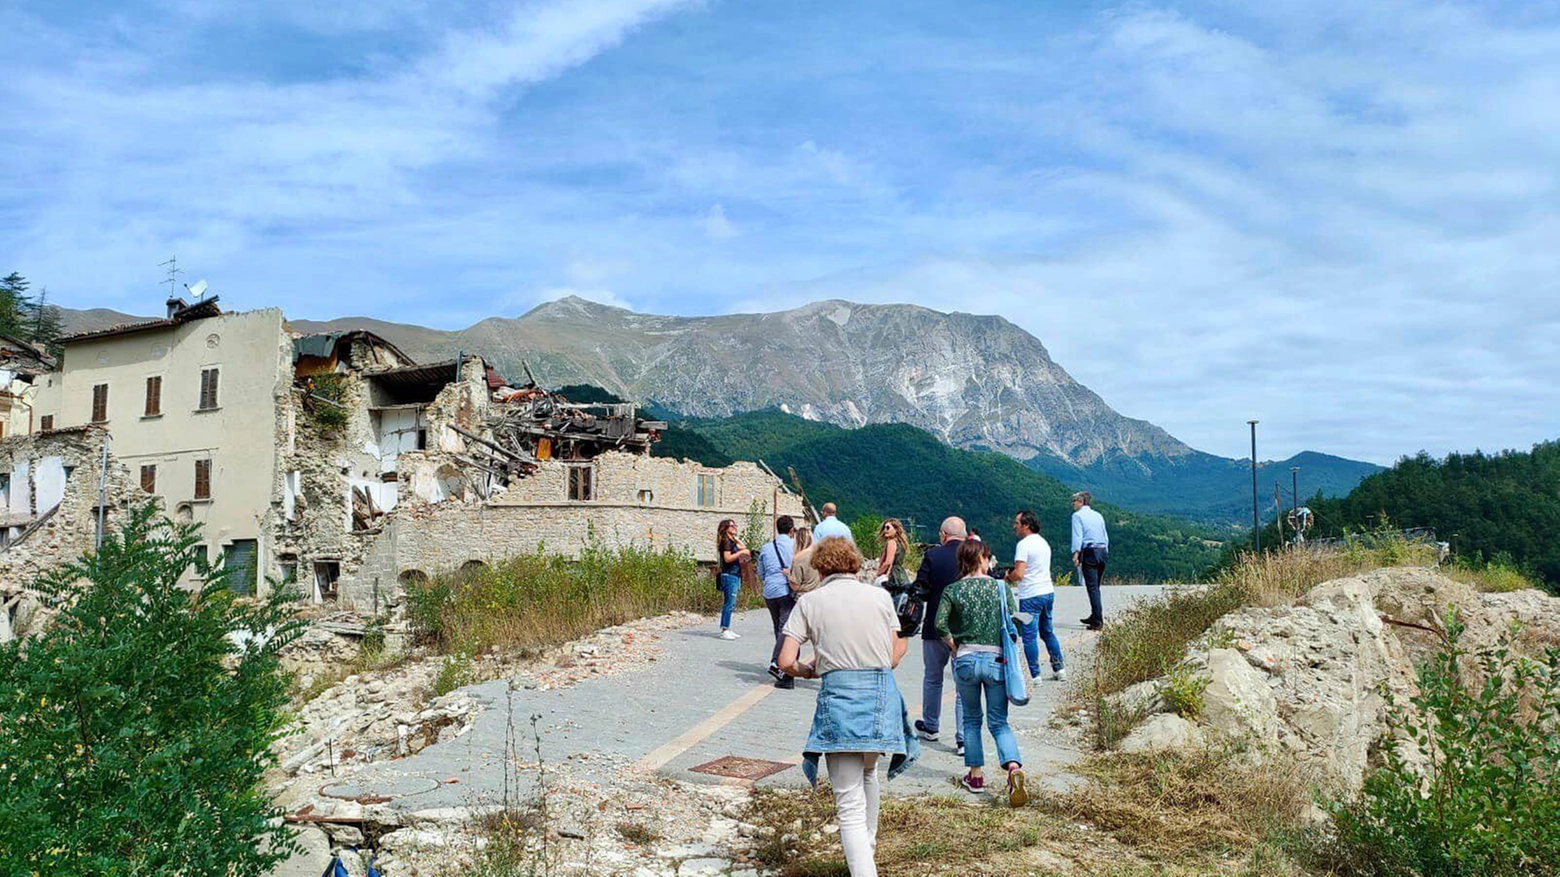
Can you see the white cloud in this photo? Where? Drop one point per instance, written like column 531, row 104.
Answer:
column 716, row 224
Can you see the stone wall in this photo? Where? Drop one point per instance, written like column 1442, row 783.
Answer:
column 425, row 540
column 45, row 537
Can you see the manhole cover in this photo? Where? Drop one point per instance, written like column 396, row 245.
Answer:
column 739, row 768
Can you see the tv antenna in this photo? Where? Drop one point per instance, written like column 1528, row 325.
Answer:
column 173, row 273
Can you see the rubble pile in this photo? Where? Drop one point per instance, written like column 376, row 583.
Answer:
column 1311, row 679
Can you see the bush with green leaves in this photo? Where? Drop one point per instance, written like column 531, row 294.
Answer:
column 1488, row 803
column 134, row 731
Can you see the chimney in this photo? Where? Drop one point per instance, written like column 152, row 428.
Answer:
column 175, row 305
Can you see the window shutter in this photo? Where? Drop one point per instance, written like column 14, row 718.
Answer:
column 149, row 479
column 202, row 479
column 208, row 388
column 46, row 423
column 99, row 403
column 153, row 396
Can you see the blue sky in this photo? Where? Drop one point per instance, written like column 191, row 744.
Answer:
column 1344, row 221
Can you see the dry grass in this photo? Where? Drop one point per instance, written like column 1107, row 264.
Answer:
column 1492, row 578
column 1197, row 802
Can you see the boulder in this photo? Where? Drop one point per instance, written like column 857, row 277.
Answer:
column 311, row 860
column 1238, row 700
column 1163, row 731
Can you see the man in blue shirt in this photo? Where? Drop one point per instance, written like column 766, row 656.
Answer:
column 1090, row 546
column 774, row 566
column 831, row 527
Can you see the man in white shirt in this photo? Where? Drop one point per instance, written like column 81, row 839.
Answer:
column 1090, row 547
column 831, row 527
column 1031, row 575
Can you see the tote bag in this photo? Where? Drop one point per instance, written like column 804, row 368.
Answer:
column 1013, row 660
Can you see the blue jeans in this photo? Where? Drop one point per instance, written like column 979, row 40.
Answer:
column 1039, row 628
column 975, row 674
column 934, row 661
column 731, row 586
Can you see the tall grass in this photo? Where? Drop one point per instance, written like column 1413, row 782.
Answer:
column 536, row 600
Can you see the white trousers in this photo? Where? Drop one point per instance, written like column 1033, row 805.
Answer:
column 854, row 776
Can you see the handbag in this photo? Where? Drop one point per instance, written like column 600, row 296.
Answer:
column 1013, row 660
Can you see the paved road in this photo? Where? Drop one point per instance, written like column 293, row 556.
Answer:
column 704, row 698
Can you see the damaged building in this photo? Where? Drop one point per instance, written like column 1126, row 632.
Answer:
column 337, row 464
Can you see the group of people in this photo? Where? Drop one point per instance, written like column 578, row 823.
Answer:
column 858, row 631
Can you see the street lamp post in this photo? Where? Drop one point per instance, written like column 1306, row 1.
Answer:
column 1256, row 520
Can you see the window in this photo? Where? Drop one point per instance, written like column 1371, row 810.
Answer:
column 153, row 397
column 100, row 403
column 706, row 497
column 208, row 389
column 646, row 497
column 46, row 423
column 149, row 479
column 239, row 561
column 579, row 484
column 326, row 574
column 203, row 479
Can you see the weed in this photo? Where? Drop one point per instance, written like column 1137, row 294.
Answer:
column 456, row 671
column 1183, row 691
column 637, row 833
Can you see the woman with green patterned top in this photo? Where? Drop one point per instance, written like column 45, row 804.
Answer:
column 969, row 619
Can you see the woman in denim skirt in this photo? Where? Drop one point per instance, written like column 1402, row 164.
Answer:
column 860, row 716
column 970, row 621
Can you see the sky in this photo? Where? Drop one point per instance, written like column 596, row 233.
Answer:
column 1340, row 219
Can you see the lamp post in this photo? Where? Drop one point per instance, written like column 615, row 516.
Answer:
column 1256, row 520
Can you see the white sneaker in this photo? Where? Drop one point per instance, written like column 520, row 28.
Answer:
column 1059, row 675
column 727, row 634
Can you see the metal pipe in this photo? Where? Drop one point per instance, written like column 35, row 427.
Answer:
column 102, row 495
column 1256, row 520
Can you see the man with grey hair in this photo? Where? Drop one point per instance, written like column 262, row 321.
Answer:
column 1090, row 547
column 939, row 569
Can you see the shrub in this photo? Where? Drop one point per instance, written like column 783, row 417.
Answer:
column 325, row 402
column 135, row 730
column 455, row 672
column 865, row 531
column 537, row 600
column 1489, row 800
column 1146, row 641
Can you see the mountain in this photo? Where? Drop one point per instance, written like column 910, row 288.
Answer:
column 1204, row 487
column 897, row 470
column 972, row 381
column 975, row 382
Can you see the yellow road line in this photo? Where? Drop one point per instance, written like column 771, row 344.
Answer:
column 663, row 755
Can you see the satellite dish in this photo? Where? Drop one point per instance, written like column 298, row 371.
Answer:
column 198, row 290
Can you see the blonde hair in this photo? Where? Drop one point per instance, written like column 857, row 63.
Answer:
column 803, row 537
column 899, row 536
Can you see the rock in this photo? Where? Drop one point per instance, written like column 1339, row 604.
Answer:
column 1163, row 731
column 703, row 866
column 353, row 862
column 343, row 835
column 1238, row 700
column 311, row 860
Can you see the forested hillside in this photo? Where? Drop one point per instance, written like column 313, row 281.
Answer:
column 901, row 471
column 1488, row 507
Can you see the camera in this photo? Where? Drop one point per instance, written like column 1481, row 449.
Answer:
column 909, row 605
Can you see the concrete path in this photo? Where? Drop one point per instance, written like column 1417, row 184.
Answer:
column 703, row 699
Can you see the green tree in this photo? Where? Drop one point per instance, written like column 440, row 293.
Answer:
column 134, row 731
column 14, row 305
column 44, row 322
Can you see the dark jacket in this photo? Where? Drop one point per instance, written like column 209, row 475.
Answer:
column 939, row 569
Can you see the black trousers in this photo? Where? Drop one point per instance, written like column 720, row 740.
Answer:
column 779, row 613
column 1091, row 560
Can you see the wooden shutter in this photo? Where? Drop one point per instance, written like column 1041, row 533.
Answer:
column 208, row 388
column 99, row 403
column 149, row 479
column 153, row 396
column 203, row 479
column 46, row 423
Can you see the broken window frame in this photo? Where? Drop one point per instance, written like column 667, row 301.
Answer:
column 582, row 487
column 149, row 477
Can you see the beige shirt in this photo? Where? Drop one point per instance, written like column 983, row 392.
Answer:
column 803, row 577
column 850, row 624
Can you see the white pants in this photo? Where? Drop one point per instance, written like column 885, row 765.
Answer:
column 856, row 790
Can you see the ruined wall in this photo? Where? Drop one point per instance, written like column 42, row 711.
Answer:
column 44, row 537
column 430, row 539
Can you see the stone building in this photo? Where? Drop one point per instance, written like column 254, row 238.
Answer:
column 21, row 362
column 336, row 464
